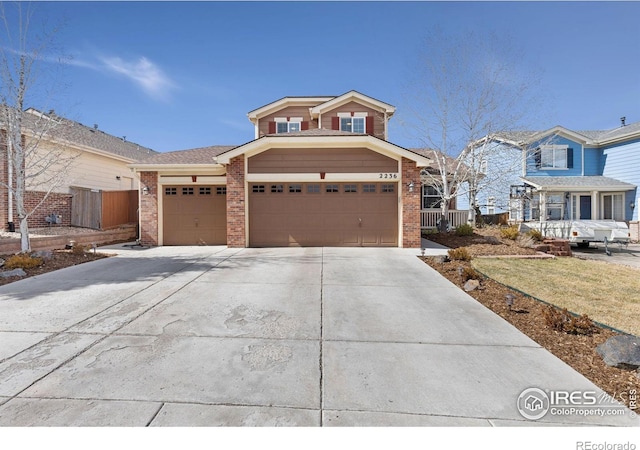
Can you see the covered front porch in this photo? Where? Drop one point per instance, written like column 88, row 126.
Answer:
column 572, row 198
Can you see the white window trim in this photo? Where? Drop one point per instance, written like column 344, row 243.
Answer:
column 553, row 148
column 355, row 114
column 288, row 121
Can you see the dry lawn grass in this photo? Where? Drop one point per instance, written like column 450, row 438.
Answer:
column 607, row 293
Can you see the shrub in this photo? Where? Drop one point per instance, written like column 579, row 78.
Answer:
column 511, row 232
column 459, row 254
column 22, row 261
column 562, row 320
column 468, row 273
column 536, row 235
column 79, row 249
column 464, row 230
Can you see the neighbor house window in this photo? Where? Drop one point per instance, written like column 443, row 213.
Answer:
column 430, row 197
column 555, row 206
column 491, row 205
column 554, row 157
column 612, row 207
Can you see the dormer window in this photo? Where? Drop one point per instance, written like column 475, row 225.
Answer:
column 288, row 124
column 356, row 122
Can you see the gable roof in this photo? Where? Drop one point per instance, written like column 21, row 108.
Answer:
column 587, row 137
column 322, row 139
column 75, row 134
column 352, row 96
column 283, row 102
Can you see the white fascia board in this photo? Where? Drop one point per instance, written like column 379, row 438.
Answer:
column 560, row 131
column 316, row 177
column 634, row 135
column 283, row 103
column 369, row 142
column 167, row 169
column 349, row 96
column 186, row 179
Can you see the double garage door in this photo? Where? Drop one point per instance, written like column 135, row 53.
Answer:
column 323, row 214
column 194, row 215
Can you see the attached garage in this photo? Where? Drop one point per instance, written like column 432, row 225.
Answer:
column 323, row 214
column 194, row 215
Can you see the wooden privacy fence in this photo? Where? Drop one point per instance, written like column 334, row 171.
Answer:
column 101, row 210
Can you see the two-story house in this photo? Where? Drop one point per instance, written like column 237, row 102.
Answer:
column 574, row 175
column 320, row 172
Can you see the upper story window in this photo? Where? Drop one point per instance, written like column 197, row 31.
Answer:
column 554, row 157
column 353, row 122
column 288, row 124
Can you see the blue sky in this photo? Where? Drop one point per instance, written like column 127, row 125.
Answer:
column 177, row 75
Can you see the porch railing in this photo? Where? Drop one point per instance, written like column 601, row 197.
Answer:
column 429, row 218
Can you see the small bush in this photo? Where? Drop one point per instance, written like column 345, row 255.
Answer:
column 464, row 230
column 536, row 235
column 510, row 232
column 22, row 261
column 468, row 273
column 562, row 320
column 459, row 254
column 79, row 249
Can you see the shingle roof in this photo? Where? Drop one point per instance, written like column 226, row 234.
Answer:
column 586, row 182
column 201, row 155
column 76, row 133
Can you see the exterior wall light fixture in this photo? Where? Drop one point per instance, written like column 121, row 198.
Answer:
column 411, row 186
column 145, row 191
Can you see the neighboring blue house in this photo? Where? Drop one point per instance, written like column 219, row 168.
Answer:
column 567, row 175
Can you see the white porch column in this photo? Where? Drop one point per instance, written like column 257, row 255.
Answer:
column 543, row 206
column 595, row 204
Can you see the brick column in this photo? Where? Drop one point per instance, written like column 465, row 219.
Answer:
column 149, row 208
column 235, row 203
column 410, row 205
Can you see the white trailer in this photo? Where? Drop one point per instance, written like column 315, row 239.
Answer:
column 582, row 232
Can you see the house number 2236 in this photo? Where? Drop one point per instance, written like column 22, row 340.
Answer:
column 389, row 175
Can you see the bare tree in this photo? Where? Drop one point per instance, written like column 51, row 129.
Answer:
column 463, row 89
column 36, row 159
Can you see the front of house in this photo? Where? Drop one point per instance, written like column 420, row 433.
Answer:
column 320, row 172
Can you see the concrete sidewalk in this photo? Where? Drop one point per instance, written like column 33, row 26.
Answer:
column 188, row 336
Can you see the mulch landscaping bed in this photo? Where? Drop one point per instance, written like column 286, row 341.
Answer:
column 526, row 314
column 59, row 260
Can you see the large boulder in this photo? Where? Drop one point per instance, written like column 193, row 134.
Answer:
column 621, row 351
column 13, row 273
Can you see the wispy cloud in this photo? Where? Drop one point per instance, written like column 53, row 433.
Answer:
column 144, row 73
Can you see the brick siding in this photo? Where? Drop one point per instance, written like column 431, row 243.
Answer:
column 55, row 203
column 410, row 205
column 149, row 209
column 236, row 208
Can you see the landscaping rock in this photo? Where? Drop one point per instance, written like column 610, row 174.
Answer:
column 44, row 254
column 13, row 273
column 441, row 259
column 471, row 285
column 492, row 240
column 622, row 352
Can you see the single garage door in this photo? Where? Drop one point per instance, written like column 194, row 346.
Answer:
column 194, row 215
column 323, row 214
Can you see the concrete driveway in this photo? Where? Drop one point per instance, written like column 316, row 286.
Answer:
column 628, row 255
column 188, row 336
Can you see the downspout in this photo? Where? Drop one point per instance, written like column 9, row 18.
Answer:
column 10, row 186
